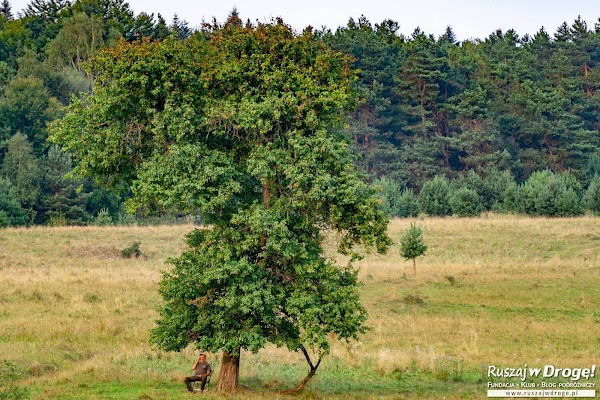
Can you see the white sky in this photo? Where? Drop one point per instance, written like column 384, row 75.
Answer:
column 468, row 18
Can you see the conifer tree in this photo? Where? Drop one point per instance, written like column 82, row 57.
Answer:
column 434, row 198
column 11, row 212
column 592, row 196
column 412, row 245
column 60, row 197
column 6, row 10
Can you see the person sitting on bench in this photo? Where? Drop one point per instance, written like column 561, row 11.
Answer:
column 201, row 372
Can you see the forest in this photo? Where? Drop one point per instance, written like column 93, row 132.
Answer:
column 506, row 123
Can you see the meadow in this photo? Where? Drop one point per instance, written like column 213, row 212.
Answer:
column 495, row 290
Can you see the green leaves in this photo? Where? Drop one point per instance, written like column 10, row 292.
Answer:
column 187, row 178
column 240, row 123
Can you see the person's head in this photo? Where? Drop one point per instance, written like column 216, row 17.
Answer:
column 202, row 357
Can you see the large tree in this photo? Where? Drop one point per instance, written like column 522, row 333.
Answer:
column 27, row 107
column 22, row 169
column 240, row 122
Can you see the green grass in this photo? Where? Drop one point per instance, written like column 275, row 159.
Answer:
column 501, row 290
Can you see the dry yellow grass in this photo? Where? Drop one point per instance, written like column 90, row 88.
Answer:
column 502, row 290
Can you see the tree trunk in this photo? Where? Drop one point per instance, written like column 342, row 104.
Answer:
column 228, row 377
column 415, row 266
column 311, row 373
column 266, row 186
column 301, row 385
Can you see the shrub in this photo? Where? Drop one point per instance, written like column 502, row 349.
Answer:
column 591, row 199
column 11, row 212
column 57, row 219
column 477, row 184
column 571, row 183
column 103, row 218
column 388, row 194
column 125, row 219
column 465, row 202
column 511, row 200
column 132, row 251
column 434, row 198
column 407, row 206
column 4, row 219
column 546, row 193
column 91, row 298
column 490, row 188
column 568, row 204
column 500, row 183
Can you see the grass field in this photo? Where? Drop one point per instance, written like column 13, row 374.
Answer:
column 501, row 290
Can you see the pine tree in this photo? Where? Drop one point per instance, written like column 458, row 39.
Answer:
column 143, row 27
column 180, row 28
column 592, row 196
column 161, row 30
column 6, row 10
column 412, row 245
column 434, row 198
column 27, row 107
column 465, row 202
column 11, row 212
column 60, row 196
column 408, row 205
column 377, row 55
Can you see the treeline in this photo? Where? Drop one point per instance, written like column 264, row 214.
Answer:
column 43, row 53
column 544, row 193
column 507, row 123
column 434, row 106
column 505, row 108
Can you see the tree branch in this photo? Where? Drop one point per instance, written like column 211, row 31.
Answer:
column 311, row 373
column 307, row 357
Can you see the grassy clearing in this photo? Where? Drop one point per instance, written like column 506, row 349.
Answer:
column 74, row 315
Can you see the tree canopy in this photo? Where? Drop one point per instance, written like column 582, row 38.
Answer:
column 241, row 122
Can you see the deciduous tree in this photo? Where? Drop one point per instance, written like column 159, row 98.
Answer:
column 22, row 169
column 240, row 123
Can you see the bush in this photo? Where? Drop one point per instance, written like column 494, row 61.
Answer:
column 434, row 198
column 483, row 188
column 511, row 201
column 4, row 219
column 125, row 219
column 11, row 212
column 572, row 183
column 394, row 201
column 500, row 184
column 407, row 206
column 132, row 251
column 57, row 219
column 465, row 202
column 548, row 194
column 388, row 192
column 591, row 199
column 568, row 204
column 103, row 218
column 491, row 188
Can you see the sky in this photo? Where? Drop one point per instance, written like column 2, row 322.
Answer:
column 469, row 19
